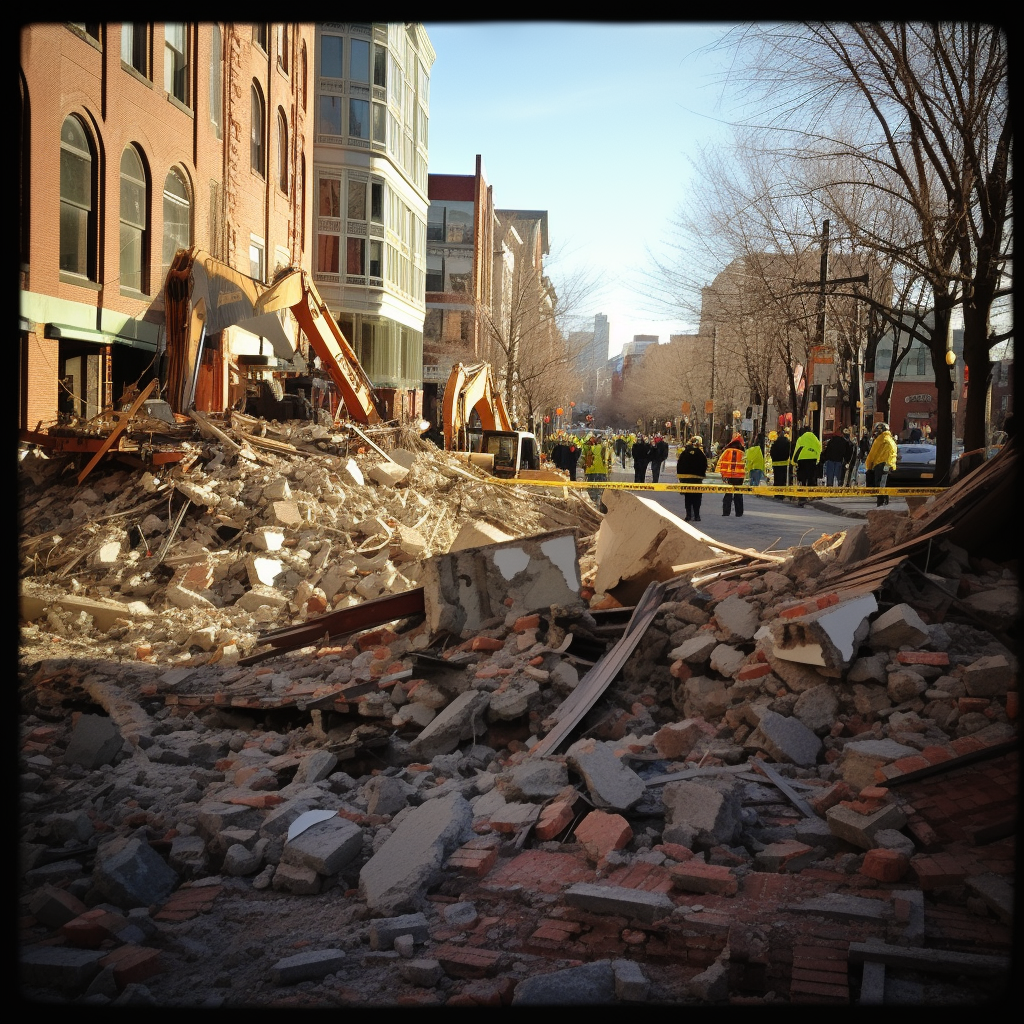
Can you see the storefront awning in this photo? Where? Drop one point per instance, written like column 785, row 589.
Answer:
column 59, row 332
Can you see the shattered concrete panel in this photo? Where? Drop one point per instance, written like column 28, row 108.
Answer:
column 709, row 809
column 639, row 542
column 827, row 639
column 610, row 783
column 394, row 877
column 899, row 626
column 737, row 618
column 788, row 739
column 465, row 589
column 461, row 720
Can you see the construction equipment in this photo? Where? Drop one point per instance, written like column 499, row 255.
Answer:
column 493, row 443
column 204, row 296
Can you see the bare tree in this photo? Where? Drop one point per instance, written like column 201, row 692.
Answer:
column 922, row 112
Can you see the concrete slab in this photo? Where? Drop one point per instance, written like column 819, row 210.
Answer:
column 326, row 847
column 826, row 638
column 464, row 589
column 461, row 720
column 639, row 542
column 95, row 740
column 610, row 783
column 593, row 983
column 309, row 965
column 613, row 899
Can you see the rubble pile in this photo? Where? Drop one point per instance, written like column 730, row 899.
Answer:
column 376, row 820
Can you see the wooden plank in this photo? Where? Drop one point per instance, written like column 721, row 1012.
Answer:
column 123, row 419
column 935, row 961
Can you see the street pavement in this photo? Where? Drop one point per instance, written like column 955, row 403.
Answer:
column 767, row 522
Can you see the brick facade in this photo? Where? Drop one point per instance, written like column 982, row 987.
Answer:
column 77, row 70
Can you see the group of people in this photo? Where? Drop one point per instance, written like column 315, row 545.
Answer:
column 649, row 451
column 806, row 460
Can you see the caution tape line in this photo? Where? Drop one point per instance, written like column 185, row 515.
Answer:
column 790, row 492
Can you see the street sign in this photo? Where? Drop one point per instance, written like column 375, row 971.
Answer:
column 709, row 407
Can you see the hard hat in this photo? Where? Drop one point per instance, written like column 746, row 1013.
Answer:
column 696, row 439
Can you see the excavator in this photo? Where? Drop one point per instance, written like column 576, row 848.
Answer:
column 203, row 296
column 495, row 445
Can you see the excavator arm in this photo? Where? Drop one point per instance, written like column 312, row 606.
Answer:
column 295, row 291
column 470, row 388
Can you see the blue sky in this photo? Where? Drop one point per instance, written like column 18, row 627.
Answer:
column 593, row 122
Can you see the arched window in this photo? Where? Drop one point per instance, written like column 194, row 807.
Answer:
column 77, row 200
column 134, row 222
column 282, row 151
column 301, row 186
column 259, row 35
column 256, row 142
column 177, row 217
column 216, row 82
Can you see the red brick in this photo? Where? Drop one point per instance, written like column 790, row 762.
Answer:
column 132, row 964
column 91, row 929
column 526, row 622
column 675, row 851
column 600, row 833
column 459, row 962
column 969, row 705
column 835, row 794
column 555, row 818
column 262, row 800
column 922, row 657
column 485, row 643
column 753, row 671
column 884, row 865
column 472, row 859
column 936, row 872
column 695, row 876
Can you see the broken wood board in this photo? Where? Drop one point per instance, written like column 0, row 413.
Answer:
column 780, row 783
column 570, row 712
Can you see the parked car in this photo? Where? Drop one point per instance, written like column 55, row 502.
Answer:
column 915, row 464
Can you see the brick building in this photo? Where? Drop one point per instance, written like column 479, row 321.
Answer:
column 136, row 140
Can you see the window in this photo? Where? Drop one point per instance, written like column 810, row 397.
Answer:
column 282, row 151
column 134, row 241
column 377, row 202
column 302, row 63
column 359, row 66
column 380, row 66
column 216, row 82
column 257, row 258
column 259, row 36
column 256, row 140
column 328, row 243
column 327, row 254
column 358, row 119
column 375, row 259
column 380, row 121
column 282, row 48
column 133, row 46
column 330, row 56
column 357, row 200
column 355, row 256
column 177, row 232
column 89, row 28
column 176, row 61
column 77, row 206
column 435, row 273
column 330, row 115
column 330, row 198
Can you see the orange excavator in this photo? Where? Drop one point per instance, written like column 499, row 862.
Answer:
column 203, row 296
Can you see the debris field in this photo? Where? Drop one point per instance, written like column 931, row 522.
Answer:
column 353, row 724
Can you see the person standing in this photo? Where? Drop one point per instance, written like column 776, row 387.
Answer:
column 595, row 466
column 641, row 457
column 691, row 468
column 780, row 453
column 755, row 461
column 659, row 453
column 806, row 455
column 881, row 460
column 732, row 470
column 835, row 454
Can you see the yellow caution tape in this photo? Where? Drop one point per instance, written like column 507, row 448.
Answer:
column 790, row 492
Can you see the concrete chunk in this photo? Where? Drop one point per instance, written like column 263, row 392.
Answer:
column 310, row 965
column 130, row 873
column 534, row 781
column 726, row 660
column 639, row 542
column 737, row 618
column 461, row 720
column 59, row 967
column 384, row 930
column 899, row 626
column 708, row 809
column 590, row 984
column 787, row 739
column 989, row 677
column 325, row 847
column 476, row 534
column 860, row 758
column 859, row 829
column 95, row 741
column 696, row 650
column 610, row 783
column 613, row 899
column 826, row 638
column 392, row 879
column 631, row 985
column 387, row 474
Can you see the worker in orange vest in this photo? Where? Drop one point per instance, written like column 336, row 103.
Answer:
column 732, row 469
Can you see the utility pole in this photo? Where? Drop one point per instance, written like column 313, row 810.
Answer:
column 818, row 389
column 711, row 428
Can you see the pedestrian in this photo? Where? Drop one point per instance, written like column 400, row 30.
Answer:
column 852, row 459
column 780, row 453
column 732, row 470
column 641, row 457
column 834, row 456
column 691, row 468
column 915, row 434
column 806, row 455
column 595, row 466
column 881, row 460
column 755, row 461
column 620, row 449
column 659, row 454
